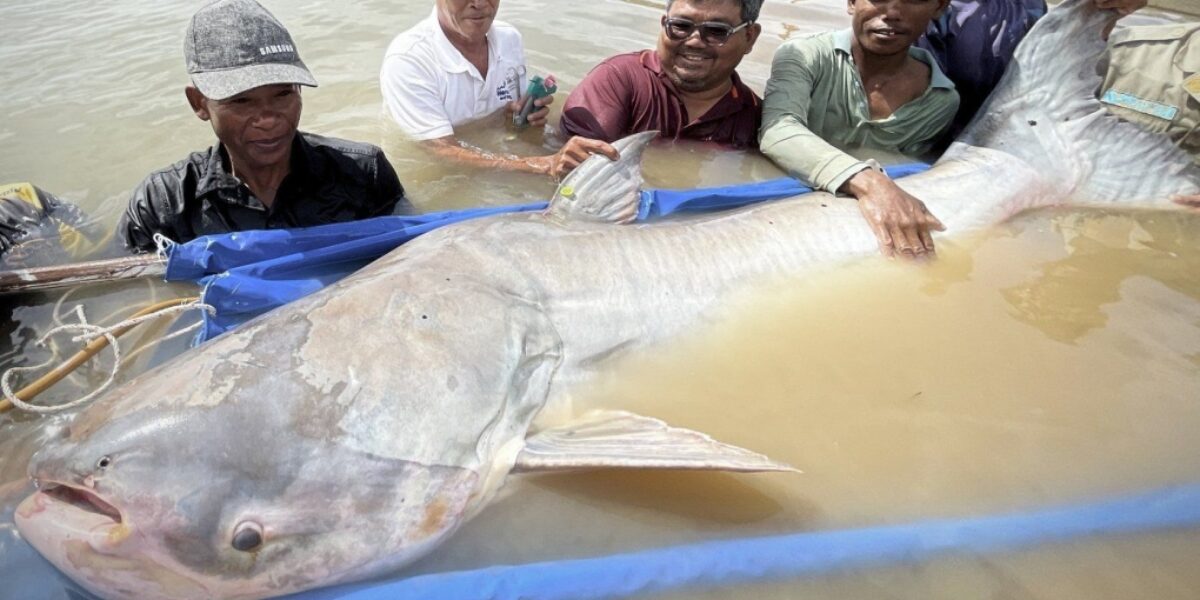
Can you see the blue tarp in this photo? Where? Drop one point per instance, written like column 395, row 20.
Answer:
column 248, row 273
column 787, row 557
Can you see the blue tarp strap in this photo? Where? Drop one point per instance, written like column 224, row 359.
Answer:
column 734, row 562
column 657, row 203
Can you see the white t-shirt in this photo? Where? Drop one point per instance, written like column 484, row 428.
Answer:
column 429, row 87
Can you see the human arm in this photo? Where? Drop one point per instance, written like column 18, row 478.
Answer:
column 901, row 222
column 1192, row 202
column 1123, row 7
column 415, row 105
column 785, row 136
column 556, row 165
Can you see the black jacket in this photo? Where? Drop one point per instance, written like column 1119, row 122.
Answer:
column 330, row 180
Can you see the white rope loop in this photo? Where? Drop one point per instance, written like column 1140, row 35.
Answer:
column 91, row 333
column 163, row 244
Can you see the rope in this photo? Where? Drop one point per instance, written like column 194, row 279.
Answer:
column 164, row 245
column 96, row 338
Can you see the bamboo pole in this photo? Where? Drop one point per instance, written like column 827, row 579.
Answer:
column 99, row 271
column 91, row 349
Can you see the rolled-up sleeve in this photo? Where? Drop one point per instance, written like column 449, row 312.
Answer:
column 785, row 136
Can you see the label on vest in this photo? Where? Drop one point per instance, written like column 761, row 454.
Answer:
column 1147, row 107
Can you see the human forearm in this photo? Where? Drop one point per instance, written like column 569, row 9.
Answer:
column 451, row 149
column 804, row 154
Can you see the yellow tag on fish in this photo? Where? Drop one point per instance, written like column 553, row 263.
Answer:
column 1192, row 85
column 23, row 191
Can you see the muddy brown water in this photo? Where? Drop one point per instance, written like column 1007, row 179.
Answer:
column 1053, row 359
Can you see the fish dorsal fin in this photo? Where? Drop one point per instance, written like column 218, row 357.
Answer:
column 603, row 190
column 622, row 440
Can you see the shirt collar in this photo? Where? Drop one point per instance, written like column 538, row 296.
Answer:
column 451, row 57
column 937, row 79
column 303, row 167
column 216, row 176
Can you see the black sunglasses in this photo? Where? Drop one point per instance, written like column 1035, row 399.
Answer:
column 712, row 32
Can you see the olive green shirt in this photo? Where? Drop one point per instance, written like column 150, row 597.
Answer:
column 1153, row 80
column 816, row 113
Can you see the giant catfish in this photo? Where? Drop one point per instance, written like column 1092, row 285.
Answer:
column 350, row 432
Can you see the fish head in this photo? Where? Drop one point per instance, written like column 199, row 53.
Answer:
column 228, row 501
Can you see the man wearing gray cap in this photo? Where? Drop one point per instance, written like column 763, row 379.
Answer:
column 263, row 173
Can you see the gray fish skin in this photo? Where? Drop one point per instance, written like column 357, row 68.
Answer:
column 362, row 425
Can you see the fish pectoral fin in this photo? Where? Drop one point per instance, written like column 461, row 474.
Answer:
column 603, row 190
column 622, row 440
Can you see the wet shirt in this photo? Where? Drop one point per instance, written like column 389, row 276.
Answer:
column 330, row 180
column 629, row 93
column 973, row 42
column 816, row 112
column 429, row 87
column 1153, row 80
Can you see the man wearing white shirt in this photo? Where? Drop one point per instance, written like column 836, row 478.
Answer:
column 459, row 65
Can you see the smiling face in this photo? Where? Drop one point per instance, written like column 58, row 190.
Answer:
column 889, row 27
column 467, row 20
column 695, row 65
column 256, row 126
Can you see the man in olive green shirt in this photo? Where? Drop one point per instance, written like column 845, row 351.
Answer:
column 1153, row 80
column 833, row 94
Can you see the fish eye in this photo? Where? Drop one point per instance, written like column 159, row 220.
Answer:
column 247, row 536
column 104, row 462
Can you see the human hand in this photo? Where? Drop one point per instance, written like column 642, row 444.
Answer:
column 574, row 152
column 1192, row 202
column 1123, row 7
column 900, row 221
column 538, row 116
column 541, row 111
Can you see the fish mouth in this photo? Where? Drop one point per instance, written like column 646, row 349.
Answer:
column 74, row 511
column 83, row 499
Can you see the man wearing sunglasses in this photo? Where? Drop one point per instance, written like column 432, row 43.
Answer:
column 686, row 88
column 862, row 91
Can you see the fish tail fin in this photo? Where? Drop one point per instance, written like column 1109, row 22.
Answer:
column 1045, row 111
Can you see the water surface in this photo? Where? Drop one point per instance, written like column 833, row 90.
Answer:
column 1055, row 359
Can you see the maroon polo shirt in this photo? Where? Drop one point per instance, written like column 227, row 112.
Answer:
column 629, row 93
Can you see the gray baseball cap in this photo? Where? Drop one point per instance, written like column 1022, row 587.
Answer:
column 236, row 45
